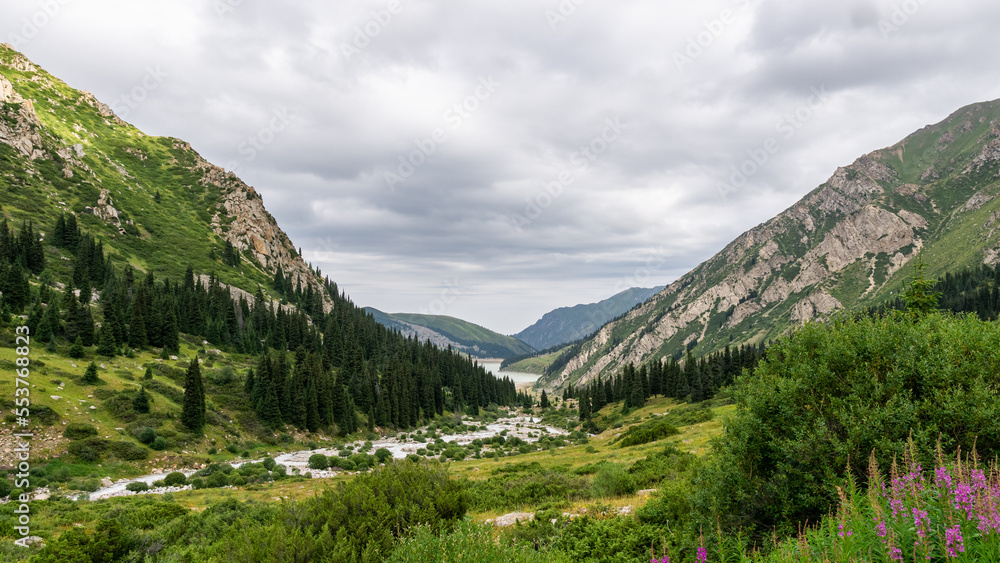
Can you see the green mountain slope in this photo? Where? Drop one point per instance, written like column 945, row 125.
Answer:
column 134, row 253
column 844, row 245
column 446, row 331
column 153, row 201
column 567, row 324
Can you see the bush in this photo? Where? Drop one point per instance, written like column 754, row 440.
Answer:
column 159, row 444
column 127, row 451
column 89, row 449
column 147, row 435
column 137, row 487
column 345, row 464
column 175, row 479
column 835, row 392
column 318, row 461
column 232, row 448
column 383, row 454
column 612, row 480
column 5, row 487
column 79, row 430
column 268, row 463
column 647, row 432
column 468, row 542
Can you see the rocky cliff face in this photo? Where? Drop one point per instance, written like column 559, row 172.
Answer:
column 114, row 171
column 844, row 245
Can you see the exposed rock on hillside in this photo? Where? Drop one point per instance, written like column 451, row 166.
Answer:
column 844, row 244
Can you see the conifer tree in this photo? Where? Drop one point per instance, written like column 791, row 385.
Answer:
column 544, row 401
column 193, row 412
column 106, row 345
column 90, row 376
column 76, row 351
column 141, row 401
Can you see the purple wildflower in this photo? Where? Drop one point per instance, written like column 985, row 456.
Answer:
column 702, row 555
column 919, row 517
column 896, row 554
column 953, row 539
column 942, row 478
column 880, row 530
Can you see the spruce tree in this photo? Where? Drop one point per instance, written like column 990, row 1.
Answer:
column 193, row 412
column 149, row 373
column 90, row 376
column 106, row 346
column 544, row 401
column 141, row 402
column 76, row 351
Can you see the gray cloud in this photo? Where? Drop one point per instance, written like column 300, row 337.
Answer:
column 507, row 208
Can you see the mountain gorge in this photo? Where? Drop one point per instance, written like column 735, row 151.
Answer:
column 845, row 244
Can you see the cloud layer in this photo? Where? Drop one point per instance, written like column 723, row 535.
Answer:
column 493, row 161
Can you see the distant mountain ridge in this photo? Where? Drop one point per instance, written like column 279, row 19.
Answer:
column 845, row 245
column 443, row 331
column 568, row 324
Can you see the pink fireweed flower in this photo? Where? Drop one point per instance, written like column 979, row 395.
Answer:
column 942, row 478
column 953, row 541
column 880, row 530
column 920, row 517
column 896, row 554
column 702, row 555
column 897, row 506
column 841, row 532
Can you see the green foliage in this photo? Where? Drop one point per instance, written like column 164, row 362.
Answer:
column 318, row 461
column 79, row 430
column 193, row 413
column 90, row 376
column 647, row 432
column 468, row 542
column 147, row 435
column 524, row 485
column 612, row 480
column 831, row 394
column 175, row 479
column 137, row 487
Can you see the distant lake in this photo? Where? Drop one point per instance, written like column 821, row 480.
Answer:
column 515, row 376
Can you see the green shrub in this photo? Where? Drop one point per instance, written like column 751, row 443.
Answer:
column 175, row 479
column 647, row 432
column 147, row 435
column 127, row 451
column 79, row 430
column 831, row 394
column 612, row 480
column 5, row 487
column 137, row 486
column 382, row 455
column 468, row 542
column 159, row 443
column 318, row 461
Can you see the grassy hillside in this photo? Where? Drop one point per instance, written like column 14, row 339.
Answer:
column 463, row 335
column 846, row 245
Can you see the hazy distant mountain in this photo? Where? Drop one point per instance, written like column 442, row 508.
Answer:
column 845, row 245
column 567, row 324
column 461, row 335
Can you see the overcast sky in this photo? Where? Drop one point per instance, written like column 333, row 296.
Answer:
column 495, row 160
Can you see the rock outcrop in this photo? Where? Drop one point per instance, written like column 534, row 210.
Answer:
column 844, row 244
column 19, row 126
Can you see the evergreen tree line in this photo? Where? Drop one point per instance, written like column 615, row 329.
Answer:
column 344, row 361
column 21, row 254
column 692, row 380
column 969, row 290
